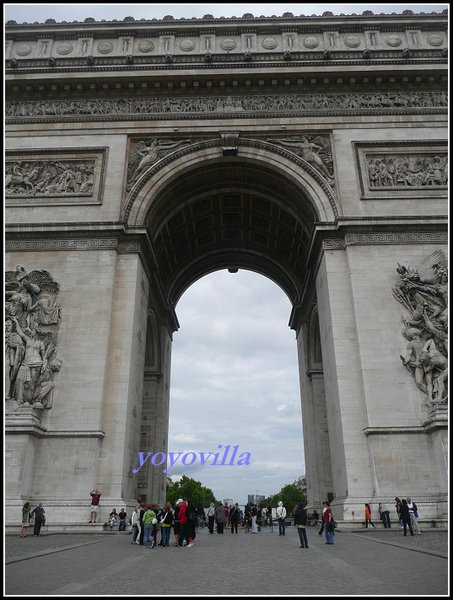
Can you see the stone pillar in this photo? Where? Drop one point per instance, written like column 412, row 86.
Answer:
column 314, row 419
column 121, row 411
column 352, row 470
column 151, row 481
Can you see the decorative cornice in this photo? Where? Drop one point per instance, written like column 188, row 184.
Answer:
column 207, row 20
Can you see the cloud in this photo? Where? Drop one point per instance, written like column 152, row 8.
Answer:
column 235, row 381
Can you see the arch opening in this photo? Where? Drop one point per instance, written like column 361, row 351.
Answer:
column 231, row 214
column 235, row 381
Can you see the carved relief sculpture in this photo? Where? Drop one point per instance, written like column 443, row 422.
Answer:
column 314, row 149
column 120, row 107
column 146, row 154
column 423, row 292
column 44, row 178
column 32, row 317
column 407, row 171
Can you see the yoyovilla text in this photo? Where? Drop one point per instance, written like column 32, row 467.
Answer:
column 212, row 459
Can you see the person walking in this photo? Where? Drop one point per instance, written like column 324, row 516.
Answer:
column 234, row 518
column 26, row 509
column 405, row 517
column 211, row 517
column 94, row 508
column 368, row 516
column 413, row 513
column 300, row 521
column 281, row 516
column 39, row 513
column 385, row 516
column 327, row 519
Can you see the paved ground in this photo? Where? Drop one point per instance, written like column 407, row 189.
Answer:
column 375, row 562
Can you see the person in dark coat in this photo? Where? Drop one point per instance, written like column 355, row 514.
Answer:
column 192, row 521
column 234, row 518
column 405, row 516
column 300, row 521
column 39, row 513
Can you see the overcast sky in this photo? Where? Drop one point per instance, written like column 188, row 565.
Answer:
column 234, row 363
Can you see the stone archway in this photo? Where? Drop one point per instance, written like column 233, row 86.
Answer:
column 206, row 210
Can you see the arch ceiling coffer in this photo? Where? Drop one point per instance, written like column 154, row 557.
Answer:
column 230, row 214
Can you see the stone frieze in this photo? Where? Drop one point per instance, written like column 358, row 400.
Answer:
column 116, row 108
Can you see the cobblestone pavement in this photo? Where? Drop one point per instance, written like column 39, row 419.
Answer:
column 437, row 541
column 15, row 546
column 242, row 564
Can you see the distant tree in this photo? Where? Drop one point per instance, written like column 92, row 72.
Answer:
column 192, row 490
column 290, row 495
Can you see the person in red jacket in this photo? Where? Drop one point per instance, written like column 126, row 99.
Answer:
column 183, row 519
column 368, row 516
column 327, row 519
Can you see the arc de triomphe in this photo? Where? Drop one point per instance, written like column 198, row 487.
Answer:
column 142, row 155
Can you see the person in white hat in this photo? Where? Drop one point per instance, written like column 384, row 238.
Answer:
column 281, row 516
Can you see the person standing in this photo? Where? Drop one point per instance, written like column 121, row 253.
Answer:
column 368, row 516
column 211, row 517
column 300, row 521
column 25, row 519
column 385, row 516
column 141, row 535
column 254, row 513
column 135, row 523
column 192, row 521
column 39, row 513
column 413, row 513
column 220, row 518
column 398, row 511
column 247, row 518
column 405, row 517
column 123, row 516
column 184, row 522
column 177, row 523
column 166, row 521
column 95, row 498
column 234, row 518
column 281, row 516
column 149, row 520
column 327, row 519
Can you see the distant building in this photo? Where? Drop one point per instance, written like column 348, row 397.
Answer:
column 255, row 498
column 228, row 501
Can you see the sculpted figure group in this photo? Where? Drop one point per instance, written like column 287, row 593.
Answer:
column 32, row 316
column 397, row 171
column 423, row 291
